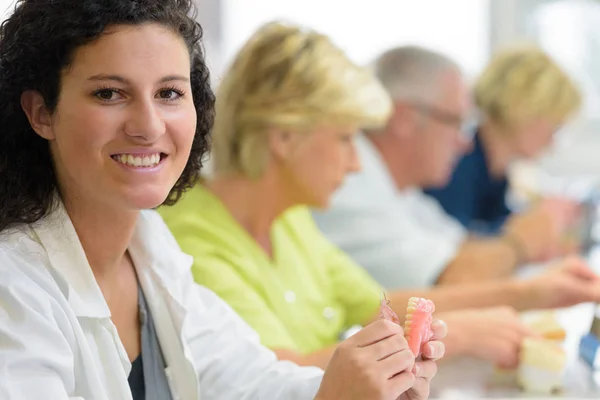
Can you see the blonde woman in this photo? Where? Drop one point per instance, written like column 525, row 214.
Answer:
column 524, row 98
column 286, row 115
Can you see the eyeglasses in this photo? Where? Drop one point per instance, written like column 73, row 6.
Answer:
column 466, row 126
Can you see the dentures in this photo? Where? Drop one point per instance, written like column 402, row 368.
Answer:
column 417, row 325
column 385, row 312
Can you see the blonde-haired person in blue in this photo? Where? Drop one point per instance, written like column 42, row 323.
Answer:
column 524, row 98
column 287, row 113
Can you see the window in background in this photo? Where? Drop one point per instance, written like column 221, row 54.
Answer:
column 458, row 28
column 570, row 31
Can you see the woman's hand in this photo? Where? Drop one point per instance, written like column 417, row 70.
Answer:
column 426, row 369
column 377, row 364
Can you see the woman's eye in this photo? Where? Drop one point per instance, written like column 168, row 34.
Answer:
column 170, row 94
column 106, row 94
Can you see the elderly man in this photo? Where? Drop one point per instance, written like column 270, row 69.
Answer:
column 383, row 220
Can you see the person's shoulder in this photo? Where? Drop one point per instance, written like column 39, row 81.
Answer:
column 192, row 203
column 474, row 157
column 298, row 218
column 24, row 264
column 300, row 226
column 198, row 215
column 18, row 247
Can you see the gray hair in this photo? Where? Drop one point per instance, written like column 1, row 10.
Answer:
column 412, row 72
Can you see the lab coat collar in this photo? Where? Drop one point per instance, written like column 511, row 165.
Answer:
column 159, row 249
column 155, row 250
column 162, row 258
column 57, row 235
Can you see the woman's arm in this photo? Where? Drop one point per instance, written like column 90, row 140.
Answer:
column 511, row 292
column 318, row 358
column 36, row 361
column 231, row 363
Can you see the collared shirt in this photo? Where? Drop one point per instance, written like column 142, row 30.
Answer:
column 302, row 298
column 401, row 237
column 473, row 196
column 57, row 340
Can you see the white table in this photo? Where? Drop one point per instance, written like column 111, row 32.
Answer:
column 473, row 379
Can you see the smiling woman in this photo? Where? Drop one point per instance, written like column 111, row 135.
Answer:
column 97, row 92
column 122, row 137
column 105, row 109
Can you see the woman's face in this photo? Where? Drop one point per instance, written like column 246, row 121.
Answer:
column 123, row 128
column 318, row 162
column 533, row 138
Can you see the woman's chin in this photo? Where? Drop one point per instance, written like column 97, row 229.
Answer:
column 146, row 200
column 320, row 202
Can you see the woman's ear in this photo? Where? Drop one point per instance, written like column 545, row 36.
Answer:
column 38, row 115
column 281, row 143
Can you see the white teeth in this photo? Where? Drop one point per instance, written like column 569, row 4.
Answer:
column 145, row 161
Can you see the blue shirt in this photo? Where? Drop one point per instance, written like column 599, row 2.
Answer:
column 473, row 196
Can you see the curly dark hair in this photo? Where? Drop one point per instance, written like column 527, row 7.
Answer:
column 37, row 42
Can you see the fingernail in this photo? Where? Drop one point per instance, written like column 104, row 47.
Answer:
column 432, row 350
column 416, row 370
column 441, row 322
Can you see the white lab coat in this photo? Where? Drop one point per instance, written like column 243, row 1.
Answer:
column 403, row 238
column 57, row 340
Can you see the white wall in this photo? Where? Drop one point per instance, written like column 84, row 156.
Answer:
column 5, row 6
column 458, row 28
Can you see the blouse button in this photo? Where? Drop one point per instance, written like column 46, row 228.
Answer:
column 290, row 296
column 328, row 313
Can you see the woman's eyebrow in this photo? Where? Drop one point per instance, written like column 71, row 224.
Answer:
column 118, row 78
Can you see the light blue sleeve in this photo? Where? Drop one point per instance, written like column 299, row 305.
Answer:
column 398, row 252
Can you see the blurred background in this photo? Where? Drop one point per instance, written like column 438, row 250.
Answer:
column 467, row 30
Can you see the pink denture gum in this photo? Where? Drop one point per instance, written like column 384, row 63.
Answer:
column 417, row 326
column 386, row 312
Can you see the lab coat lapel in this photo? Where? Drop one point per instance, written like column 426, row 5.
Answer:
column 161, row 267
column 75, row 278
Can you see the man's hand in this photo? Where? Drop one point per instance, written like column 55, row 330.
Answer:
column 569, row 283
column 491, row 334
column 543, row 231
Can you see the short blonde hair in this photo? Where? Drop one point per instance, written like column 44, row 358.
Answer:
column 522, row 82
column 290, row 78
